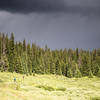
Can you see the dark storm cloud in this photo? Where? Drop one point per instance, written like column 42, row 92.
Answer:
column 67, row 6
column 31, row 5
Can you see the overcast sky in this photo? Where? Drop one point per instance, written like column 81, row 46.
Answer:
column 58, row 23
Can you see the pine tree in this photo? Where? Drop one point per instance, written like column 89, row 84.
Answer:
column 47, row 66
column 94, row 54
column 4, row 64
column 52, row 68
column 66, row 69
column 52, row 65
column 69, row 73
column 29, row 59
column 90, row 74
column 63, row 66
column 0, row 45
column 42, row 65
column 77, row 72
column 77, row 54
column 24, row 63
column 20, row 48
column 58, row 68
column 24, row 45
column 3, row 43
column 11, row 54
column 18, row 65
column 85, row 68
column 34, row 65
column 28, row 50
column 98, row 73
column 7, row 46
column 29, row 64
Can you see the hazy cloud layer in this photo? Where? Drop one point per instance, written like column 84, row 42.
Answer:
column 56, row 30
column 57, row 23
column 67, row 6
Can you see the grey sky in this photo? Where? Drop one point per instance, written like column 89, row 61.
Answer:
column 57, row 23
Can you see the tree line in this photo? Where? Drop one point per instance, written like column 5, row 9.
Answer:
column 21, row 57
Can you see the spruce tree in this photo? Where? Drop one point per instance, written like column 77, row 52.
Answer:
column 24, row 62
column 77, row 72
column 11, row 53
column 29, row 64
column 98, row 72
column 77, row 54
column 85, row 67
column 3, row 44
column 20, row 48
column 0, row 45
column 4, row 64
column 69, row 73
column 24, row 45
column 7, row 46
column 58, row 68
column 90, row 66
column 52, row 68
column 63, row 66
column 90, row 74
column 18, row 65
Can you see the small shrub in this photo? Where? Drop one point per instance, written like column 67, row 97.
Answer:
column 49, row 88
column 33, row 74
column 95, row 98
column 17, row 86
column 61, row 89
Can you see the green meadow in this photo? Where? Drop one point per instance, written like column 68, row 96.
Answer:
column 48, row 87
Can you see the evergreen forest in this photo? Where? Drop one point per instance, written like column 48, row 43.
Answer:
column 26, row 58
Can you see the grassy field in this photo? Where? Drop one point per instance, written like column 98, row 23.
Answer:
column 48, row 87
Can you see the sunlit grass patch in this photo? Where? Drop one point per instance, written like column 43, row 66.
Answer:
column 48, row 87
column 1, row 80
